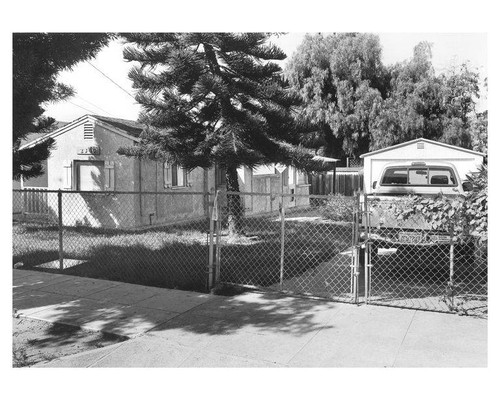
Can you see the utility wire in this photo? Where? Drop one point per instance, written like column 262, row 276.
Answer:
column 86, row 109
column 107, row 77
column 93, row 105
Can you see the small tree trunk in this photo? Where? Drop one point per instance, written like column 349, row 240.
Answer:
column 234, row 204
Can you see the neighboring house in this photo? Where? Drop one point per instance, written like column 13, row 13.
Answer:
column 421, row 150
column 85, row 159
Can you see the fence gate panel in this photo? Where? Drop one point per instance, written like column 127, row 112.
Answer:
column 409, row 265
column 304, row 246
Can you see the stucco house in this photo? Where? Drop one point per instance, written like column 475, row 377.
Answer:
column 466, row 161
column 85, row 159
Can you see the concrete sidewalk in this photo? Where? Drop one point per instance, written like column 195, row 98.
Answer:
column 172, row 328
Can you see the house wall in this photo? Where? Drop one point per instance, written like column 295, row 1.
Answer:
column 272, row 184
column 464, row 161
column 116, row 211
column 168, row 204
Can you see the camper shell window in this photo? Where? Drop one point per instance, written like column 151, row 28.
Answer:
column 419, row 176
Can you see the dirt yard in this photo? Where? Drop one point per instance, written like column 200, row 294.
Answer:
column 37, row 341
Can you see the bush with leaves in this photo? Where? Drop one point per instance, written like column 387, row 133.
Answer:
column 462, row 216
column 338, row 208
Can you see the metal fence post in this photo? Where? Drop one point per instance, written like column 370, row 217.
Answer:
column 282, row 257
column 210, row 282
column 368, row 265
column 217, row 243
column 355, row 252
column 451, row 283
column 210, row 279
column 60, row 228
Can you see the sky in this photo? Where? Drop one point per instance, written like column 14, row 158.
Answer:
column 96, row 94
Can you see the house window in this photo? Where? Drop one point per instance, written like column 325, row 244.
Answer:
column 174, row 175
column 264, row 170
column 178, row 176
column 220, row 176
column 90, row 175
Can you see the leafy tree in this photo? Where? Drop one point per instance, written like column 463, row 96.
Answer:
column 342, row 83
column 37, row 59
column 461, row 91
column 214, row 98
column 423, row 105
column 414, row 104
column 479, row 132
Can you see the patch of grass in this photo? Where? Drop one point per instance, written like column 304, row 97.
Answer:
column 177, row 256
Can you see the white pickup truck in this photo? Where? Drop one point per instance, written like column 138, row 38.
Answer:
column 400, row 179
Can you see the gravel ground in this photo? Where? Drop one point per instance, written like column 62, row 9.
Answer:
column 37, row 341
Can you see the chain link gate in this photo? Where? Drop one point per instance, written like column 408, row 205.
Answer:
column 408, row 265
column 296, row 244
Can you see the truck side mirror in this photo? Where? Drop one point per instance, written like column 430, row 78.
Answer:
column 374, row 184
column 467, row 186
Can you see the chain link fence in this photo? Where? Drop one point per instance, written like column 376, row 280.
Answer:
column 334, row 247
column 157, row 239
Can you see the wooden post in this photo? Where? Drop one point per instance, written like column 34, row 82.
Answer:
column 60, row 226
column 334, row 180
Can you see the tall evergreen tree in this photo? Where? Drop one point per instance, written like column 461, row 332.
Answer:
column 214, row 98
column 37, row 59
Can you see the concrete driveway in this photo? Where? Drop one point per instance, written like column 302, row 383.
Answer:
column 172, row 328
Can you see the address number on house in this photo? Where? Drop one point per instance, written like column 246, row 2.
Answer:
column 93, row 150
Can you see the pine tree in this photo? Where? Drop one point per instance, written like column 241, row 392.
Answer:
column 215, row 98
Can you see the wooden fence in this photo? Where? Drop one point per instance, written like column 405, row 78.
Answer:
column 344, row 183
column 35, row 201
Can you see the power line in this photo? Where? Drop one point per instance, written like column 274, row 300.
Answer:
column 86, row 109
column 93, row 105
column 107, row 77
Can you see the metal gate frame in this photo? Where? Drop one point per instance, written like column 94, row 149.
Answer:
column 216, row 245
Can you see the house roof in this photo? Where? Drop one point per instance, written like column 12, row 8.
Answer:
column 134, row 128
column 422, row 140
column 325, row 159
column 126, row 127
column 38, row 135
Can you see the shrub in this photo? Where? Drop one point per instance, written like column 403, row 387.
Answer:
column 338, row 208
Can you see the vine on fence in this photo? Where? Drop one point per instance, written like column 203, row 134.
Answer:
column 462, row 217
